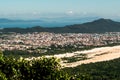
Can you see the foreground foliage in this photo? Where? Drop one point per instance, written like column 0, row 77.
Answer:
column 50, row 69
column 41, row 69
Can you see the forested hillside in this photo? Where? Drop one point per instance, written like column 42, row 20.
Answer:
column 107, row 70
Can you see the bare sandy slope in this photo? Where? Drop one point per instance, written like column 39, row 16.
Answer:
column 97, row 55
column 93, row 55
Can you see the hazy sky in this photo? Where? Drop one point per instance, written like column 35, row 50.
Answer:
column 58, row 8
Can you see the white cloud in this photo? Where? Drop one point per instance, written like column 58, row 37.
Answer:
column 70, row 12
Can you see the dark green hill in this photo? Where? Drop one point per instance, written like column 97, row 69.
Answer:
column 106, row 70
column 97, row 26
column 101, row 25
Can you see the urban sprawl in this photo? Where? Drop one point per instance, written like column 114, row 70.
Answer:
column 17, row 41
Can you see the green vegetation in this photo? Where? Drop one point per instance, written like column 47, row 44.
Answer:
column 41, row 69
column 58, row 49
column 107, row 70
column 1, row 53
column 20, row 69
column 61, row 49
column 51, row 50
column 50, row 69
column 75, row 58
column 19, row 53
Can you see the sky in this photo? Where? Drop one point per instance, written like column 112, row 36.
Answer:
column 35, row 9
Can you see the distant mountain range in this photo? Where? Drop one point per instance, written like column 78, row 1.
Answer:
column 60, row 19
column 97, row 26
column 44, row 22
column 4, row 20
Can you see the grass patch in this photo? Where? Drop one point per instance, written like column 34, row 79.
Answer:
column 75, row 58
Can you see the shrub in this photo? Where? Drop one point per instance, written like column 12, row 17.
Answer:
column 36, row 69
column 2, row 76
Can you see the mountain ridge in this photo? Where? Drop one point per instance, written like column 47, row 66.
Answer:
column 97, row 26
column 19, row 20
